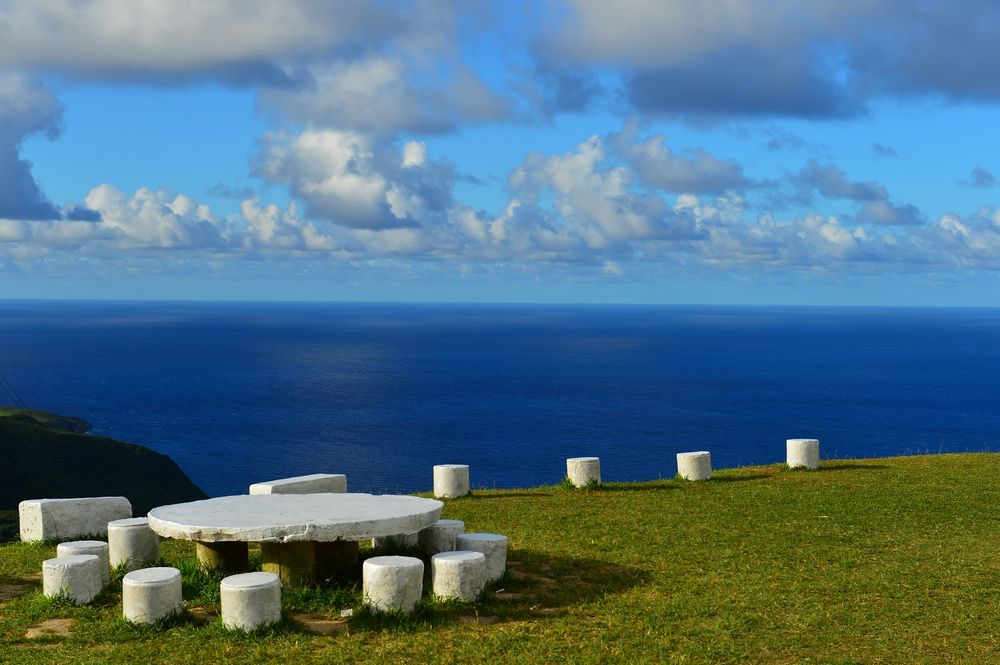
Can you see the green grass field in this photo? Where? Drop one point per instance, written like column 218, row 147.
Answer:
column 871, row 561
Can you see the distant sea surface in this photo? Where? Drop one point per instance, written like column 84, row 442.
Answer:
column 238, row 393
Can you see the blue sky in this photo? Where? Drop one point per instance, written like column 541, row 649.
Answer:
column 566, row 150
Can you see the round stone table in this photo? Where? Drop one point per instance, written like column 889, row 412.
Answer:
column 304, row 538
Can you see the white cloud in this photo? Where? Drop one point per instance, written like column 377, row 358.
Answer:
column 25, row 108
column 348, row 179
column 235, row 40
column 387, row 93
column 696, row 172
column 783, row 57
column 414, row 154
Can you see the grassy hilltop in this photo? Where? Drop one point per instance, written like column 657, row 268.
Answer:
column 42, row 462
column 889, row 561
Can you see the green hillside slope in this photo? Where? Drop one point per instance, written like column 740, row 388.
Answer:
column 39, row 462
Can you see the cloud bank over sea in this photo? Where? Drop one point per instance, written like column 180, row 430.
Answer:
column 567, row 142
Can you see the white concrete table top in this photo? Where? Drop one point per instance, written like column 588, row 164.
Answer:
column 285, row 518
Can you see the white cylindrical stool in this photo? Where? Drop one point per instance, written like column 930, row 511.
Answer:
column 401, row 540
column 133, row 543
column 98, row 548
column 440, row 536
column 492, row 545
column 583, row 470
column 695, row 466
column 151, row 594
column 250, row 600
column 459, row 575
column 802, row 453
column 392, row 583
column 78, row 577
column 451, row 480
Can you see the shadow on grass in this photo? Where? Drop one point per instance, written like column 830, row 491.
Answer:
column 738, row 479
column 847, row 466
column 651, row 486
column 500, row 495
column 535, row 586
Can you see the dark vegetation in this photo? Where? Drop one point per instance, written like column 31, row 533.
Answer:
column 41, row 462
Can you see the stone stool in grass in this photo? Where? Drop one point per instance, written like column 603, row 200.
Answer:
column 333, row 483
column 492, row 545
column 583, row 471
column 250, row 600
column 458, row 575
column 801, row 453
column 133, row 543
column 440, row 536
column 392, row 583
column 98, row 548
column 695, row 466
column 451, row 480
column 151, row 594
column 78, row 577
column 404, row 540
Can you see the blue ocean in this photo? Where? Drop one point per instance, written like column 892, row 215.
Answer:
column 242, row 392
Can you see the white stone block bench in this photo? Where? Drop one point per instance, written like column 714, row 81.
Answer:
column 451, row 480
column 802, row 453
column 133, row 543
column 77, row 577
column 250, row 600
column 316, row 483
column 440, row 536
column 492, row 545
column 582, row 471
column 151, row 594
column 458, row 575
column 42, row 519
column 98, row 548
column 392, row 583
column 695, row 466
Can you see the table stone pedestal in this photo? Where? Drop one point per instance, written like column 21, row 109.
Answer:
column 228, row 557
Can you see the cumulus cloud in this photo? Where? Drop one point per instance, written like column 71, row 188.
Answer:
column 790, row 58
column 833, row 183
column 27, row 108
column 979, row 177
column 390, row 93
column 657, row 165
column 349, row 179
column 236, row 41
column 880, row 150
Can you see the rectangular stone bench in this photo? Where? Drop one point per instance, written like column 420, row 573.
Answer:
column 42, row 519
column 334, row 483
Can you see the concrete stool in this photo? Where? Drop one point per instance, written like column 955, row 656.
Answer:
column 583, row 470
column 399, row 540
column 133, row 543
column 98, row 548
column 151, row 594
column 440, row 536
column 77, row 576
column 492, row 545
column 451, row 480
column 459, row 575
column 392, row 583
column 250, row 600
column 802, row 453
column 695, row 466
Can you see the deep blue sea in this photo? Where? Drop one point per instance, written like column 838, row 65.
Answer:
column 238, row 393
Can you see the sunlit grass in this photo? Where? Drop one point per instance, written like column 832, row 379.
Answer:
column 883, row 560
